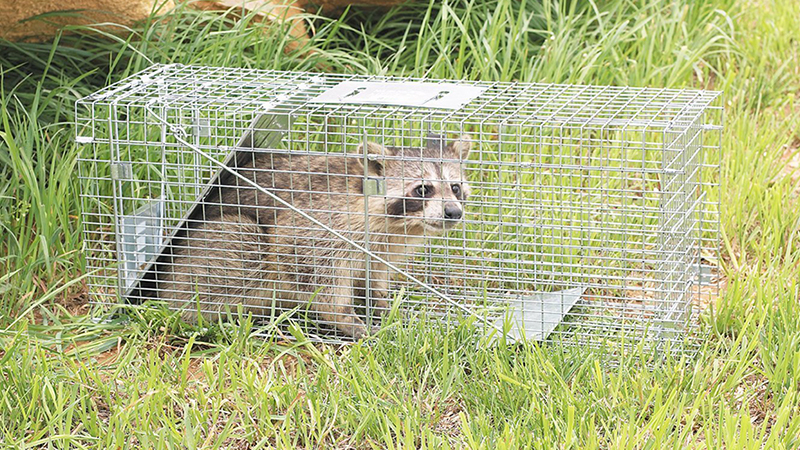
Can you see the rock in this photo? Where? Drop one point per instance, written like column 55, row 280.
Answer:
column 270, row 10
column 41, row 19
column 20, row 21
column 338, row 5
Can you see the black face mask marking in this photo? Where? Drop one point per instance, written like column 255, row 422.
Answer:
column 425, row 191
column 458, row 191
column 403, row 206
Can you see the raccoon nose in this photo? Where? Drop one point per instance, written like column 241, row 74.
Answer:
column 452, row 211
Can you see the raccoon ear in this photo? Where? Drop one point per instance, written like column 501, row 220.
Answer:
column 461, row 146
column 435, row 141
column 375, row 165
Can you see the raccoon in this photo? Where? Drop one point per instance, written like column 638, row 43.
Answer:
column 248, row 249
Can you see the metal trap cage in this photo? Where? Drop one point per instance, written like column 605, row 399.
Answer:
column 563, row 213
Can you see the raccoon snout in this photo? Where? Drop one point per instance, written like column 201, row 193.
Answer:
column 452, row 211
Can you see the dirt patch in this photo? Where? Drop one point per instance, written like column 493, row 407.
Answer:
column 73, row 302
column 754, row 391
column 76, row 302
column 448, row 421
column 103, row 410
column 291, row 363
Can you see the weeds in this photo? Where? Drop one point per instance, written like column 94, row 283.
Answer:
column 140, row 378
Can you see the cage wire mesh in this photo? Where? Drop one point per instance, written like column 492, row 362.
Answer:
column 577, row 214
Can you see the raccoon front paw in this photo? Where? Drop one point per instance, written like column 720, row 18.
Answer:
column 362, row 331
column 355, row 330
column 382, row 305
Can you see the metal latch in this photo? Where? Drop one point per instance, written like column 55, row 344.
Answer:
column 201, row 127
column 121, row 171
column 374, row 186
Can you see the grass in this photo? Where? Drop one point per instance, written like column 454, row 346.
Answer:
column 70, row 379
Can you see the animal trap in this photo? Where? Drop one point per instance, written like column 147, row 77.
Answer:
column 577, row 214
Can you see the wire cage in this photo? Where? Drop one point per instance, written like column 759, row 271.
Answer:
column 576, row 214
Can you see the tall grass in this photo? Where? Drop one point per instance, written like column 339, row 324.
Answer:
column 653, row 43
column 145, row 380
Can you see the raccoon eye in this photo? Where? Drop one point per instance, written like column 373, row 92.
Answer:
column 456, row 189
column 423, row 191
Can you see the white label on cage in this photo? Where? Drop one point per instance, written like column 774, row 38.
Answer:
column 427, row 95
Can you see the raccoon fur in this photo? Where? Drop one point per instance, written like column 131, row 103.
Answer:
column 245, row 248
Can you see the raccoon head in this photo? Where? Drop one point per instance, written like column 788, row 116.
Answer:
column 425, row 187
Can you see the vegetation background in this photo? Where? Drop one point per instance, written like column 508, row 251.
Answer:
column 143, row 380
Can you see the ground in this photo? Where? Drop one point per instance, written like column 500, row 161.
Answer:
column 72, row 378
